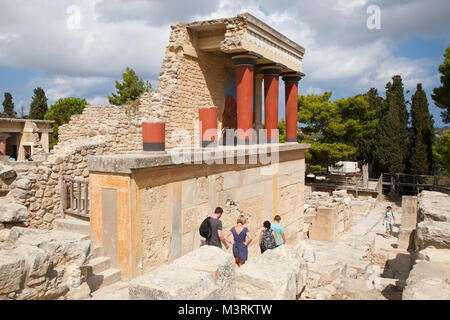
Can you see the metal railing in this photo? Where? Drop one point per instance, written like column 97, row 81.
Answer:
column 75, row 197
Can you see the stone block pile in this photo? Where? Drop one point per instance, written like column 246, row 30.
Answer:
column 209, row 273
column 328, row 216
column 429, row 277
column 40, row 264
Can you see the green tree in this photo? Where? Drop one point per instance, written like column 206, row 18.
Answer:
column 282, row 131
column 60, row 112
column 130, row 89
column 338, row 130
column 369, row 141
column 441, row 95
column 392, row 146
column 422, row 135
column 8, row 107
column 443, row 152
column 38, row 106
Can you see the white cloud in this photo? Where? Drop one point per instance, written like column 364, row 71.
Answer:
column 342, row 54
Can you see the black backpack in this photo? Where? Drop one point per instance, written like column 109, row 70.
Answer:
column 205, row 229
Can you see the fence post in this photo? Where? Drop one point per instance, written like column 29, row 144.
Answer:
column 63, row 193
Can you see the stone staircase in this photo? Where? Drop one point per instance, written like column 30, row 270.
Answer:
column 99, row 271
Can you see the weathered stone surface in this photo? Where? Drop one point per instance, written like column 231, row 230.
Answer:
column 12, row 272
column 37, row 260
column 23, row 183
column 20, row 194
column 340, row 193
column 171, row 282
column 4, row 235
column 433, row 233
column 427, row 281
column 265, row 278
column 7, row 173
column 434, row 206
column 61, row 246
column 79, row 293
column 215, row 261
column 13, row 212
column 290, row 258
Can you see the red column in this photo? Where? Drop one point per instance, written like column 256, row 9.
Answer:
column 271, row 81
column 154, row 136
column 208, row 119
column 291, row 95
column 244, row 95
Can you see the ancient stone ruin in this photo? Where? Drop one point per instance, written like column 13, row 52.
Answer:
column 113, row 210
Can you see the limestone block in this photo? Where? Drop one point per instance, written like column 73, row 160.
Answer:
column 322, row 233
column 23, row 183
column 12, row 272
column 264, row 278
column 427, row 281
column 12, row 211
column 80, row 293
column 433, row 233
column 61, row 246
column 434, row 206
column 405, row 237
column 20, row 194
column 339, row 193
column 320, row 274
column 290, row 258
column 217, row 262
column 7, row 173
column 409, row 212
column 174, row 282
column 37, row 260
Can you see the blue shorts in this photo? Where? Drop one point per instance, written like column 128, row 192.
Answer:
column 389, row 226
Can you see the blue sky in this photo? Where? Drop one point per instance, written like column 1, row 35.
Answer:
column 42, row 45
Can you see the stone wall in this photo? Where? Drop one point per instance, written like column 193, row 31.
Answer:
column 209, row 273
column 39, row 188
column 151, row 213
column 238, row 190
column 40, row 264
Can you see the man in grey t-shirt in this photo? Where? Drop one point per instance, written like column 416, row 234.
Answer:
column 216, row 238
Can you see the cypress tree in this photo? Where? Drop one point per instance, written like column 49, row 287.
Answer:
column 38, row 106
column 422, row 135
column 8, row 107
column 392, row 147
column 441, row 95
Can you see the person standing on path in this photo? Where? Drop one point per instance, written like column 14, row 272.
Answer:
column 279, row 230
column 216, row 238
column 242, row 239
column 389, row 218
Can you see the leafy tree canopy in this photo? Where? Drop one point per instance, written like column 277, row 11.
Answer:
column 130, row 89
column 38, row 106
column 441, row 95
column 8, row 107
column 60, row 112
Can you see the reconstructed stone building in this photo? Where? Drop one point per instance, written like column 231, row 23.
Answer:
column 144, row 208
column 19, row 137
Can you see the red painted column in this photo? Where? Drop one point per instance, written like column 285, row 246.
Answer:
column 154, row 136
column 271, row 85
column 244, row 95
column 291, row 96
column 208, row 120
